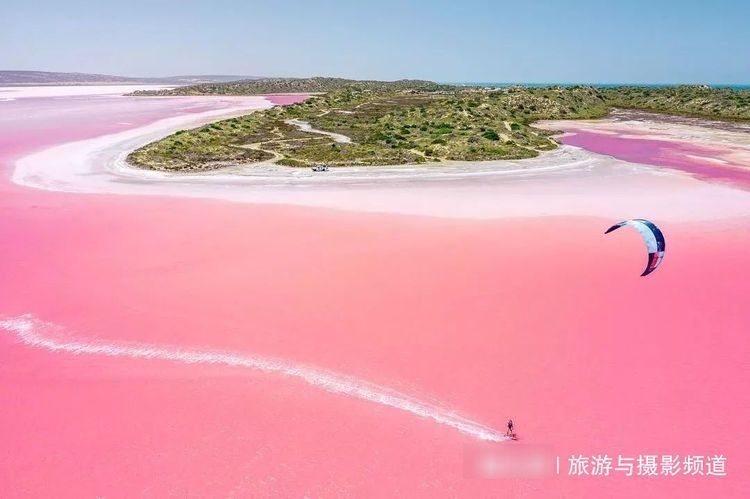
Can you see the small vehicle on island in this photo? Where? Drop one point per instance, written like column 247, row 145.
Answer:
column 320, row 168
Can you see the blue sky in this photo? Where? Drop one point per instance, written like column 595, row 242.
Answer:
column 653, row 41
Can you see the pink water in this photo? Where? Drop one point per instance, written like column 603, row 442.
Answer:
column 544, row 320
column 31, row 123
column 286, row 99
column 699, row 160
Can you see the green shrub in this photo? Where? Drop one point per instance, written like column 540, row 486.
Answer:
column 491, row 134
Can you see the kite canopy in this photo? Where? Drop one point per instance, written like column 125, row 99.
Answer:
column 653, row 238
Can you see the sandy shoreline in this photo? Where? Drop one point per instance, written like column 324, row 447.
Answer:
column 566, row 181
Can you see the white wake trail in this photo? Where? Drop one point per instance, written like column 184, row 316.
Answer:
column 29, row 330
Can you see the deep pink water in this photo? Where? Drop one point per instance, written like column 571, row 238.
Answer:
column 495, row 319
column 699, row 160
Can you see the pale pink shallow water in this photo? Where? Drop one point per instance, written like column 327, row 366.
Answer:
column 285, row 99
column 541, row 319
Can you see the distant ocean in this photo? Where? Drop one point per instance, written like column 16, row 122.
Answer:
column 602, row 85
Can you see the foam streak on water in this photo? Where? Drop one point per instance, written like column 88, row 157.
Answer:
column 31, row 332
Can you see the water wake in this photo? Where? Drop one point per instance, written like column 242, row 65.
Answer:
column 31, row 332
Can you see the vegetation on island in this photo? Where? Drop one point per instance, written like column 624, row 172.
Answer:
column 386, row 127
column 407, row 122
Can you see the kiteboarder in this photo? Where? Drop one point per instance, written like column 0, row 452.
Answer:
column 510, row 433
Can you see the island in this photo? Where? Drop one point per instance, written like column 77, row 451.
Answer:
column 371, row 123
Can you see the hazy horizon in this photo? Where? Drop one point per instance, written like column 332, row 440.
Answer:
column 459, row 83
column 472, row 41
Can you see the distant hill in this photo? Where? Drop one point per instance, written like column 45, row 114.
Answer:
column 8, row 78
column 692, row 100
column 294, row 85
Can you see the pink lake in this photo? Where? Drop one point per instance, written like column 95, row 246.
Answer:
column 704, row 161
column 540, row 319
